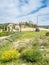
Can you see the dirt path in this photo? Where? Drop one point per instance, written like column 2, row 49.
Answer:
column 32, row 29
column 3, row 37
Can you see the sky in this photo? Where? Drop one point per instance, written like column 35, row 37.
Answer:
column 14, row 11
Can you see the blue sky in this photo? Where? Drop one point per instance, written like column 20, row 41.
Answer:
column 15, row 11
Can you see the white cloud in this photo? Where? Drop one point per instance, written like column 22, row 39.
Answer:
column 12, row 10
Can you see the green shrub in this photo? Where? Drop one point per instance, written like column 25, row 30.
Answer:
column 47, row 34
column 45, row 61
column 3, row 33
column 32, row 55
column 9, row 55
column 36, row 42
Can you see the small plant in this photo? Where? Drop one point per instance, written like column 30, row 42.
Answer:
column 32, row 55
column 47, row 34
column 9, row 55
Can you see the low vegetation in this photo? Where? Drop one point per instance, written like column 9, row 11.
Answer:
column 9, row 55
column 6, row 33
column 32, row 49
column 32, row 55
column 47, row 34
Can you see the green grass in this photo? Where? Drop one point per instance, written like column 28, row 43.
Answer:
column 31, row 34
column 6, row 33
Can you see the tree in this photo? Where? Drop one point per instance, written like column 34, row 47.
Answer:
column 3, row 27
column 20, row 25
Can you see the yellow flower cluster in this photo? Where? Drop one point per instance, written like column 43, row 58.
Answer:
column 9, row 55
